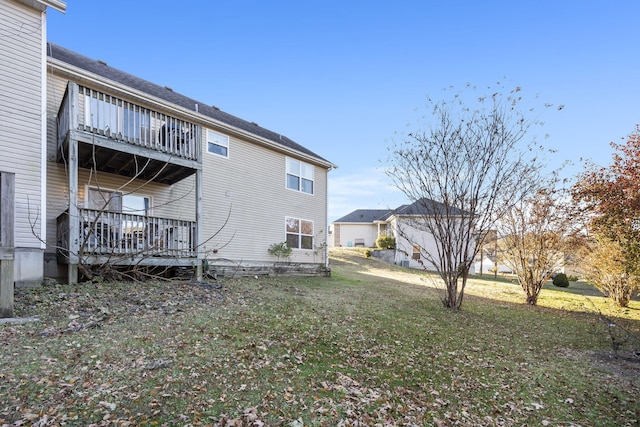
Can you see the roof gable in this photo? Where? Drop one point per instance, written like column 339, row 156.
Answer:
column 103, row 70
column 424, row 207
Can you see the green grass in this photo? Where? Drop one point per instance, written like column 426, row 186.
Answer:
column 372, row 344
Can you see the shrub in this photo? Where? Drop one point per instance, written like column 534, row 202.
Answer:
column 280, row 250
column 572, row 278
column 560, row 280
column 386, row 242
column 367, row 252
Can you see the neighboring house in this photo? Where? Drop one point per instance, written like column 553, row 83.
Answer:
column 402, row 223
column 359, row 228
column 23, row 128
column 488, row 266
column 138, row 174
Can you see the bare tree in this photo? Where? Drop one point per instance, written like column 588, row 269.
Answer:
column 537, row 233
column 469, row 168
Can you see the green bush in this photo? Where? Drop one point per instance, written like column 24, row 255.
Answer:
column 572, row 278
column 386, row 242
column 367, row 252
column 280, row 250
column 560, row 280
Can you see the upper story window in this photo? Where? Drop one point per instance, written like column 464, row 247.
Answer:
column 217, row 143
column 299, row 176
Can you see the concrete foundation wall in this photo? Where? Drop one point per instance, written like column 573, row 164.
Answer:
column 28, row 267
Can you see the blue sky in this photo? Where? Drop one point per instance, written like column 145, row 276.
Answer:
column 344, row 78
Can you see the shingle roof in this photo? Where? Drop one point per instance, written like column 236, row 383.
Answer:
column 364, row 215
column 419, row 207
column 425, row 207
column 101, row 69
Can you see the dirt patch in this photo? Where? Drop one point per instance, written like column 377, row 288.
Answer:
column 625, row 366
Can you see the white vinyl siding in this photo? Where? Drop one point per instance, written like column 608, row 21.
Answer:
column 350, row 232
column 21, row 71
column 247, row 189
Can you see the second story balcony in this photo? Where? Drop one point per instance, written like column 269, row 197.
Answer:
column 118, row 136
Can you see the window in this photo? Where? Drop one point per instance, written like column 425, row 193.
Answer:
column 217, row 143
column 299, row 176
column 115, row 201
column 133, row 204
column 416, row 253
column 299, row 233
column 104, row 200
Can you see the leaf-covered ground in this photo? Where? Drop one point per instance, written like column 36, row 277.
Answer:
column 371, row 345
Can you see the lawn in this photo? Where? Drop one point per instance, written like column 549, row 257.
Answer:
column 371, row 345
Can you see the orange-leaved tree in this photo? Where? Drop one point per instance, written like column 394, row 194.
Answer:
column 610, row 198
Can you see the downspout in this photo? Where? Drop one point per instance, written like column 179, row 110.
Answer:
column 326, row 222
column 326, row 219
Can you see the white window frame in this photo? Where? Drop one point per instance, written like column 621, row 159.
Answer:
column 303, row 172
column 121, row 197
column 298, row 233
column 218, row 139
column 416, row 252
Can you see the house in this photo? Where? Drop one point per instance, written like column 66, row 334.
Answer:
column 359, row 228
column 139, row 175
column 113, row 170
column 24, row 126
column 403, row 223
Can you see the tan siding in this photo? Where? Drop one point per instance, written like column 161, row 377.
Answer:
column 250, row 186
column 20, row 112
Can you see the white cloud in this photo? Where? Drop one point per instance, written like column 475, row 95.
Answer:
column 363, row 189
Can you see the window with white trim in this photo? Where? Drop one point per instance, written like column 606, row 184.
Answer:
column 299, row 176
column 115, row 201
column 217, row 143
column 299, row 233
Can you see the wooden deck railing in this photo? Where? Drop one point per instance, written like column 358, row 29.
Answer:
column 114, row 118
column 115, row 233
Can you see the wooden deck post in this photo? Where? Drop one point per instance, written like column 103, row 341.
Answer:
column 74, row 219
column 198, row 242
column 7, row 242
